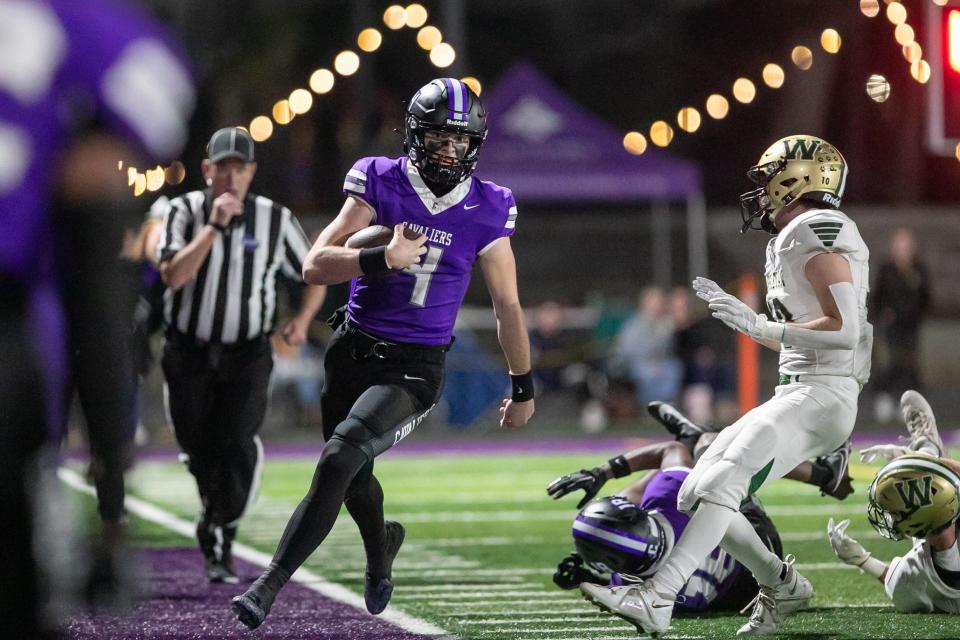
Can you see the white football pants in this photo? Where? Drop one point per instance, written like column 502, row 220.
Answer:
column 802, row 420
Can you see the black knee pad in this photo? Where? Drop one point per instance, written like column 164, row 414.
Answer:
column 342, row 457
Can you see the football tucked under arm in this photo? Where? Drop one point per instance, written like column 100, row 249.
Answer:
column 376, row 235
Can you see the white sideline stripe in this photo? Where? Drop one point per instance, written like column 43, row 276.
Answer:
column 305, row 577
column 467, row 595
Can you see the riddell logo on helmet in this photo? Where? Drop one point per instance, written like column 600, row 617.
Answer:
column 831, row 199
column 459, row 123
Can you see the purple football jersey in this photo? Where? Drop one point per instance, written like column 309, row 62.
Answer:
column 69, row 63
column 420, row 304
column 661, row 494
column 718, row 571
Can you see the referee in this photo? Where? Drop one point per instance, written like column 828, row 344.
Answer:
column 220, row 254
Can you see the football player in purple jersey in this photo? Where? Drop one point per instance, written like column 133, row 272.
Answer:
column 384, row 368
column 626, row 538
column 82, row 85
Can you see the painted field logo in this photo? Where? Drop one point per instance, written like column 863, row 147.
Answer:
column 913, row 494
column 802, row 149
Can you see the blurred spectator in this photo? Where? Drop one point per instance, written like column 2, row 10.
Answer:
column 643, row 350
column 550, row 346
column 298, row 375
column 898, row 303
column 707, row 377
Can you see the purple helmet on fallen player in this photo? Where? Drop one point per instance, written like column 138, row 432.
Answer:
column 444, row 105
column 613, row 535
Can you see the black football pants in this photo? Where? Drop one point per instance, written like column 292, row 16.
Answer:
column 217, row 397
column 369, row 404
column 23, row 432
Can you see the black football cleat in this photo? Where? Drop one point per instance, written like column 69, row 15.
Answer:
column 377, row 589
column 252, row 606
column 220, row 571
column 674, row 421
column 249, row 609
column 840, row 484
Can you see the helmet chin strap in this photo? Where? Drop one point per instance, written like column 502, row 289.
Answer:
column 438, row 189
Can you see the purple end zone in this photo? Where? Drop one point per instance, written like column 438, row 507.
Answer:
column 177, row 602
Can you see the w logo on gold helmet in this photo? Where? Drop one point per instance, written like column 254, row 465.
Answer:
column 913, row 496
column 793, row 167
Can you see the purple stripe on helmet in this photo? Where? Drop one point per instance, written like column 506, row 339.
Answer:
column 464, row 100
column 611, row 543
column 619, row 532
column 450, row 94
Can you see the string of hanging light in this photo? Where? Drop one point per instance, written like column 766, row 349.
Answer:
column 320, row 82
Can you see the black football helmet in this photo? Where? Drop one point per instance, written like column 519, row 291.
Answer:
column 444, row 105
column 613, row 535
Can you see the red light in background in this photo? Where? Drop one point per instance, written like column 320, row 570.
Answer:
column 953, row 39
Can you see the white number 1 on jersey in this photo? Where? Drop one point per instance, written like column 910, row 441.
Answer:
column 423, row 274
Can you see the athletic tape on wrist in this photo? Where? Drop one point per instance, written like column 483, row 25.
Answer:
column 619, row 466
column 522, row 386
column 873, row 566
column 374, row 260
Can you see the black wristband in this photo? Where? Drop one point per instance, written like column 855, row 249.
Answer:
column 374, row 260
column 219, row 227
column 619, row 466
column 522, row 386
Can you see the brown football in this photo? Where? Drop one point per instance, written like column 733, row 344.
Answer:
column 375, row 236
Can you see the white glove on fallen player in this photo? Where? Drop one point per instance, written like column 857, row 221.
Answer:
column 883, row 452
column 852, row 552
column 734, row 313
column 847, row 549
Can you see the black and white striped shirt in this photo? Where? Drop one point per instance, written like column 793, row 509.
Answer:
column 233, row 296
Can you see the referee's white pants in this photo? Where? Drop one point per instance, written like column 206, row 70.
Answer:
column 802, row 420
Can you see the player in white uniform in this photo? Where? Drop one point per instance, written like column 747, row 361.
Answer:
column 817, row 280
column 914, row 496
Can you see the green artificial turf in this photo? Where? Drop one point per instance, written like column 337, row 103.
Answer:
column 483, row 539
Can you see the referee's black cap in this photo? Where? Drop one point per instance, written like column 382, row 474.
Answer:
column 231, row 142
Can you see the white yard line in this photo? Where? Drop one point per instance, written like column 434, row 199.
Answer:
column 459, row 573
column 592, row 630
column 823, row 566
column 524, row 612
column 305, row 577
column 572, row 619
column 471, row 594
column 803, row 536
column 467, row 586
column 500, row 603
column 826, row 509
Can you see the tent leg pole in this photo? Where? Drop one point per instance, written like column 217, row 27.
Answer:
column 660, row 244
column 697, row 245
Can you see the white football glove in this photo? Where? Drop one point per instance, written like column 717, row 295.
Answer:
column 847, row 549
column 734, row 313
column 883, row 452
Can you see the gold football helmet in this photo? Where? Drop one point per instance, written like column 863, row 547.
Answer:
column 792, row 167
column 913, row 496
